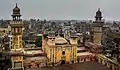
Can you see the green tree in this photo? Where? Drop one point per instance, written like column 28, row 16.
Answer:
column 38, row 41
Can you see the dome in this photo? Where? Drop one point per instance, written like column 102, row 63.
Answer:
column 60, row 40
column 16, row 10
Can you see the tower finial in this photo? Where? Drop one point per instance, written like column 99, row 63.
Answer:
column 98, row 9
column 16, row 4
column 58, row 34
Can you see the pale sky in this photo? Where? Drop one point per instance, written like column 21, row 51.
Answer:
column 61, row 9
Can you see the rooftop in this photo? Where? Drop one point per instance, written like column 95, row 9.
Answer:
column 84, row 53
column 36, row 58
column 79, row 66
column 60, row 40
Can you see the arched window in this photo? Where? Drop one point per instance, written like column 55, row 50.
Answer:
column 63, row 52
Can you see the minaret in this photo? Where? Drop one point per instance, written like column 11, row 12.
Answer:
column 16, row 32
column 97, row 27
column 74, row 44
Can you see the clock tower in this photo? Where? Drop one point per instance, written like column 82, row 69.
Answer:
column 97, row 27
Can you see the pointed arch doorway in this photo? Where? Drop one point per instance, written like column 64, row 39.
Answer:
column 62, row 62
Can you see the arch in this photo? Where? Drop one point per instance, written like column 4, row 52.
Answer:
column 62, row 62
column 78, row 59
column 58, row 56
column 67, row 54
column 105, row 63
column 63, row 52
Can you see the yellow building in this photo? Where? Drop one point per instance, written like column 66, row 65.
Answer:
column 16, row 31
column 97, row 28
column 59, row 50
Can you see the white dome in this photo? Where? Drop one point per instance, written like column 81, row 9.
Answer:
column 60, row 40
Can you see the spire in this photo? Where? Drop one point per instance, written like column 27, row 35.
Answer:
column 98, row 9
column 16, row 4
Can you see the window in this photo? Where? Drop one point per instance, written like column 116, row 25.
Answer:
column 20, row 41
column 16, row 30
column 20, row 46
column 17, row 64
column 116, row 30
column 20, row 58
column 115, row 68
column 12, row 30
column 11, row 38
column 20, row 30
column 63, row 52
column 11, row 43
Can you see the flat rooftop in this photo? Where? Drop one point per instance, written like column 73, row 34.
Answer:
column 78, row 66
column 84, row 54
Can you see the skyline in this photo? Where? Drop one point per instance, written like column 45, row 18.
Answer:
column 61, row 9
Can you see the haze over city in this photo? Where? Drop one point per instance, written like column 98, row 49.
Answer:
column 62, row 9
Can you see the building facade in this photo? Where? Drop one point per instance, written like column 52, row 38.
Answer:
column 59, row 50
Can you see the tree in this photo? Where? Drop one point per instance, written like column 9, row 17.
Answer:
column 38, row 41
column 116, row 40
column 5, row 62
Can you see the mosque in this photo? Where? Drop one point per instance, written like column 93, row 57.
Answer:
column 60, row 50
column 56, row 50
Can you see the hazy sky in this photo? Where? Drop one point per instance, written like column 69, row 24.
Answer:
column 61, row 9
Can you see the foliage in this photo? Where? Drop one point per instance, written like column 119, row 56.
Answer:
column 38, row 42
